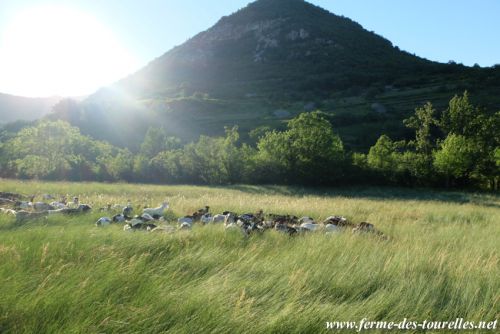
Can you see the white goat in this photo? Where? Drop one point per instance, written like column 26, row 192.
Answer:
column 188, row 220
column 25, row 205
column 308, row 220
column 310, row 226
column 58, row 205
column 206, row 218
column 103, row 221
column 185, row 226
column 146, row 217
column 331, row 229
column 218, row 219
column 157, row 211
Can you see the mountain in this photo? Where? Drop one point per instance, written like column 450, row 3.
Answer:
column 270, row 61
column 14, row 108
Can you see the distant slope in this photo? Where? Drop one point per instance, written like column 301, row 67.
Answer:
column 270, row 61
column 14, row 108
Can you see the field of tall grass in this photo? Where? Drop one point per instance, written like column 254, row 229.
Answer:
column 65, row 275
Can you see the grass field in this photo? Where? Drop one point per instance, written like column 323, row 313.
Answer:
column 64, row 275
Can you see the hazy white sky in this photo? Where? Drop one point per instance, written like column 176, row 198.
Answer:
column 61, row 47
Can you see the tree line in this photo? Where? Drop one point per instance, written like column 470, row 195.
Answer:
column 455, row 147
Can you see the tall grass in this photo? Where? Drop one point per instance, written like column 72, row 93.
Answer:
column 64, row 275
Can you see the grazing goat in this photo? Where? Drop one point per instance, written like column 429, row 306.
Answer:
column 103, row 221
column 310, row 227
column 11, row 196
column 137, row 224
column 82, row 208
column 284, row 228
column 187, row 219
column 218, row 219
column 74, row 204
column 365, row 227
column 7, row 201
column 330, row 229
column 119, row 218
column 206, row 218
column 8, row 211
column 128, row 210
column 338, row 220
column 58, row 205
column 23, row 205
column 41, row 206
column 306, row 220
column 156, row 211
column 185, row 226
column 146, row 217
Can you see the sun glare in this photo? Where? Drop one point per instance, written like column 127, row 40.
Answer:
column 60, row 51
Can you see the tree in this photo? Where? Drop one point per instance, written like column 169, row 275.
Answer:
column 44, row 150
column 456, row 158
column 273, row 161
column 308, row 152
column 154, row 142
column 461, row 117
column 120, row 166
column 317, row 152
column 381, row 157
column 425, row 125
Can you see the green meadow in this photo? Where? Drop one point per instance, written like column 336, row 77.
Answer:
column 65, row 275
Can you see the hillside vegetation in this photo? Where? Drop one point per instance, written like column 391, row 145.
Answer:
column 455, row 147
column 62, row 275
column 269, row 62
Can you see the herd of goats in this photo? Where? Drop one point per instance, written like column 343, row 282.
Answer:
column 25, row 208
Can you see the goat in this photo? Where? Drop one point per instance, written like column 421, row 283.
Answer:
column 8, row 211
column 103, row 221
column 185, row 226
column 206, row 218
column 138, row 224
column 330, row 229
column 74, row 204
column 364, row 227
column 128, row 210
column 218, row 219
column 186, row 219
column 338, row 220
column 306, row 220
column 6, row 201
column 310, row 227
column 11, row 196
column 157, row 211
column 58, row 205
column 147, row 217
column 23, row 205
column 230, row 219
column 41, row 206
column 119, row 218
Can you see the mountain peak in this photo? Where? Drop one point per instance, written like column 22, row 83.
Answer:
column 262, row 10
column 276, row 47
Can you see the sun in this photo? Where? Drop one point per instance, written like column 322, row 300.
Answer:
column 54, row 50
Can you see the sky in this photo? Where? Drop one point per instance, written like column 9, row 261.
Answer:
column 73, row 47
